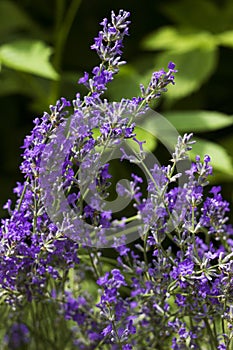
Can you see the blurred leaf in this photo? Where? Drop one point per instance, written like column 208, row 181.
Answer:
column 69, row 85
column 220, row 159
column 194, row 69
column 227, row 11
column 201, row 14
column 162, row 130
column 126, row 84
column 91, row 287
column 11, row 83
column 12, row 17
column 170, row 38
column 220, row 177
column 25, row 84
column 143, row 135
column 198, row 121
column 29, row 56
column 227, row 142
column 226, row 39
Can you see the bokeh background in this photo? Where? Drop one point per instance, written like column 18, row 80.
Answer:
column 44, row 49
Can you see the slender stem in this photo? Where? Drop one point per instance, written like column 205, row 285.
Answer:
column 115, row 330
column 62, row 29
column 60, row 9
column 229, row 344
column 213, row 340
column 145, row 248
column 193, row 233
column 23, row 193
column 93, row 264
column 35, row 214
column 215, row 328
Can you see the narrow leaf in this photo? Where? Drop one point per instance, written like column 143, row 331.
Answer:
column 12, row 17
column 183, row 39
column 198, row 121
column 226, row 39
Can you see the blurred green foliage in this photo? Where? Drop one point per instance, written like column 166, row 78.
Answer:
column 44, row 49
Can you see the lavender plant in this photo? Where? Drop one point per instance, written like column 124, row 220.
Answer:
column 169, row 289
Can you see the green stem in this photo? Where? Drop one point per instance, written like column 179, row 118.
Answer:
column 62, row 29
column 115, row 330
column 97, row 274
column 23, row 193
column 193, row 233
column 213, row 340
column 145, row 248
column 35, row 209
column 60, row 9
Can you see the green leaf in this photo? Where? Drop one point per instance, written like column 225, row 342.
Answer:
column 12, row 18
column 201, row 14
column 220, row 159
column 161, row 129
column 226, row 39
column 198, row 121
column 194, row 69
column 183, row 39
column 143, row 135
column 25, row 84
column 91, row 287
column 227, row 142
column 29, row 56
column 125, row 84
column 12, row 83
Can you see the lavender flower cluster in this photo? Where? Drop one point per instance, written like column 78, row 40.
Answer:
column 170, row 289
